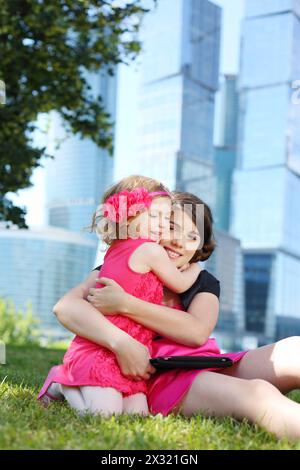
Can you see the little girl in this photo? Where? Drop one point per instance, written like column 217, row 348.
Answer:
column 134, row 220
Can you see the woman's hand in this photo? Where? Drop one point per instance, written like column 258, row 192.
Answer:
column 110, row 299
column 133, row 359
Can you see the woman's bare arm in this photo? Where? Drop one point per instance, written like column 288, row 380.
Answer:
column 191, row 328
column 72, row 310
column 76, row 314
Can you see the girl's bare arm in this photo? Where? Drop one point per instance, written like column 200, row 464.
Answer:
column 156, row 259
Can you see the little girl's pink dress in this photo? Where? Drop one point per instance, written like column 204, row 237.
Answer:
column 167, row 388
column 86, row 363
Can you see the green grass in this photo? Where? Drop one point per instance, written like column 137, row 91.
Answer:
column 24, row 424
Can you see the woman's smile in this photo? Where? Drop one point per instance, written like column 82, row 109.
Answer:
column 171, row 253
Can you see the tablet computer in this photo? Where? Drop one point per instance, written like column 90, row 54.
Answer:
column 190, row 362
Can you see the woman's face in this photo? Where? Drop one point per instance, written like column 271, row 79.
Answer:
column 184, row 240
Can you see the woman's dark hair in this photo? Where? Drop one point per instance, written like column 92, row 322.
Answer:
column 188, row 202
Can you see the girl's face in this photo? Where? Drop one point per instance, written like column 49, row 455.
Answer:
column 184, row 238
column 153, row 223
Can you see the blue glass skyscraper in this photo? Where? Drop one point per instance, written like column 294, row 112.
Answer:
column 166, row 119
column 179, row 69
column 267, row 181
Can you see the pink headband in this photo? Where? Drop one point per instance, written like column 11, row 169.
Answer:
column 159, row 193
column 124, row 204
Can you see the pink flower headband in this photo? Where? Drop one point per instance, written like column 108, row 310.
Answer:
column 124, row 204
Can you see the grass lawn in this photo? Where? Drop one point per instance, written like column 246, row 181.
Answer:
column 24, row 424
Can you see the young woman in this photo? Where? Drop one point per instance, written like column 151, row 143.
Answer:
column 252, row 388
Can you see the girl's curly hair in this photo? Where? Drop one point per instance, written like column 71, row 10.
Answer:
column 109, row 230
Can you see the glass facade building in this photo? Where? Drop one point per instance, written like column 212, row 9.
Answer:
column 226, row 263
column 172, row 110
column 40, row 266
column 267, row 180
column 225, row 152
column 178, row 79
column 80, row 171
column 259, row 301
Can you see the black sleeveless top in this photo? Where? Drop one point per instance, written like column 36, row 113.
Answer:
column 205, row 282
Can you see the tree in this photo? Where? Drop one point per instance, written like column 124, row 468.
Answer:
column 46, row 47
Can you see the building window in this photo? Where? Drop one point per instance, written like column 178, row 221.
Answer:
column 257, row 286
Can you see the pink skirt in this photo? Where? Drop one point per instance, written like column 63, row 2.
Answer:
column 166, row 389
column 88, row 364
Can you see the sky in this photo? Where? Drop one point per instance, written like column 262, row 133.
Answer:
column 34, row 198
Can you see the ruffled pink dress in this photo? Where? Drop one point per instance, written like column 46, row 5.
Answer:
column 87, row 363
column 166, row 389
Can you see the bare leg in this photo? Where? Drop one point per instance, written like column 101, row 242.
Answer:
column 54, row 391
column 74, row 397
column 278, row 363
column 102, row 400
column 136, row 403
column 258, row 401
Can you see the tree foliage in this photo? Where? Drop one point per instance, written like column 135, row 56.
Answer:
column 46, row 48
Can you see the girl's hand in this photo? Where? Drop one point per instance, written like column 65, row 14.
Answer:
column 109, row 299
column 184, row 267
column 133, row 359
